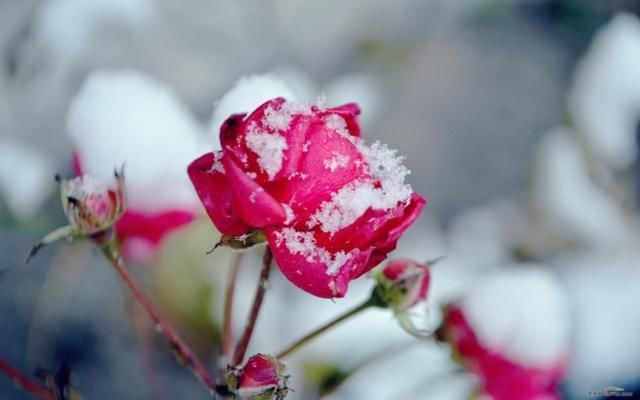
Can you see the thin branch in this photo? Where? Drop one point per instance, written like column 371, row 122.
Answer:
column 317, row 332
column 243, row 343
column 227, row 336
column 184, row 354
column 24, row 382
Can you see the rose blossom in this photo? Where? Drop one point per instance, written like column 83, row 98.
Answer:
column 512, row 332
column 124, row 118
column 331, row 206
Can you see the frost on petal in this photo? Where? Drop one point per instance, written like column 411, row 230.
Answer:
column 269, row 147
column 385, row 192
column 312, row 267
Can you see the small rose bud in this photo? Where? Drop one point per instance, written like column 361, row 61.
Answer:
column 262, row 378
column 403, row 283
column 90, row 205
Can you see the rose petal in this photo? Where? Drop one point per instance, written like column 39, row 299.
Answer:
column 214, row 191
column 311, row 276
column 256, row 207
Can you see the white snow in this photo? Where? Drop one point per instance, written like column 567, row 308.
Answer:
column 352, row 201
column 338, row 124
column 126, row 118
column 26, row 178
column 521, row 312
column 280, row 119
column 269, row 147
column 337, row 160
column 605, row 98
column 303, row 243
column 247, row 94
column 567, row 198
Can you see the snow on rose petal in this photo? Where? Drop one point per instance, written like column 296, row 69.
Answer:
column 331, row 205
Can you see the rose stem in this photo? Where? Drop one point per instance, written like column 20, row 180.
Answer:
column 227, row 335
column 24, row 382
column 243, row 343
column 312, row 335
column 184, row 354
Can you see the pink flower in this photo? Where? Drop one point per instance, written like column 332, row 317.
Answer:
column 500, row 377
column 403, row 284
column 512, row 331
column 262, row 377
column 331, row 206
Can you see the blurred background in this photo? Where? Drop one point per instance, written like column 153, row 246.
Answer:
column 519, row 121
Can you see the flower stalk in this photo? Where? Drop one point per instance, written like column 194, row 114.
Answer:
column 243, row 343
column 182, row 351
column 227, row 331
column 371, row 302
column 24, row 382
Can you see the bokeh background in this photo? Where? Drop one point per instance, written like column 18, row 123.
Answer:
column 520, row 129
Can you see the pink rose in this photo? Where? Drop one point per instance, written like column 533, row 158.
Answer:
column 512, row 330
column 262, row 377
column 331, row 206
column 500, row 377
column 404, row 283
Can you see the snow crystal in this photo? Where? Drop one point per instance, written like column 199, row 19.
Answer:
column 304, row 243
column 269, row 147
column 217, row 164
column 289, row 212
column 337, row 160
column 338, row 124
column 279, row 120
column 353, row 200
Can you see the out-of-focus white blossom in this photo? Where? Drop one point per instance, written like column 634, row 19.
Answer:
column 126, row 118
column 26, row 178
column 567, row 200
column 521, row 312
column 67, row 27
column 605, row 99
column 248, row 93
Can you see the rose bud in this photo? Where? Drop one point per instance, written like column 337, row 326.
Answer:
column 91, row 206
column 512, row 332
column 331, row 206
column 403, row 283
column 125, row 118
column 262, row 378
